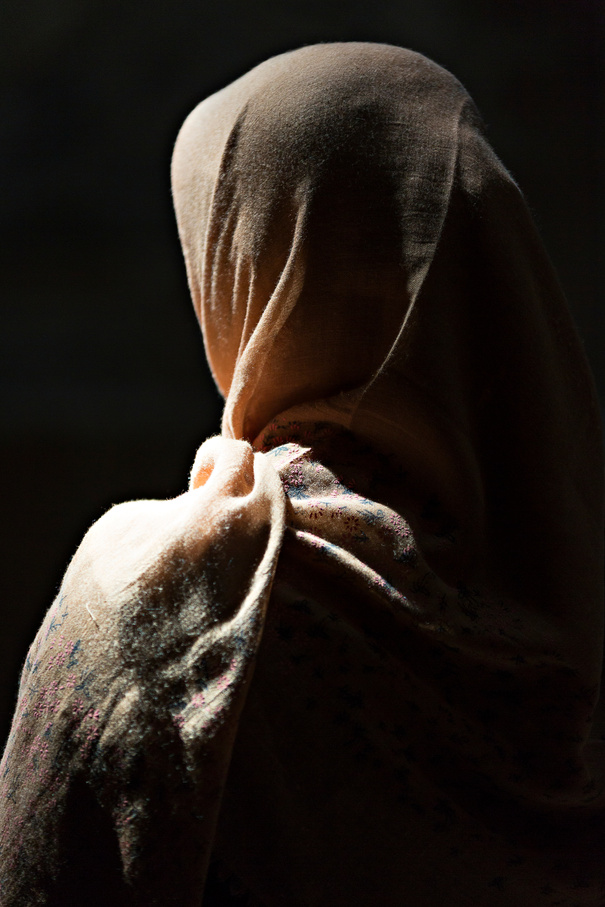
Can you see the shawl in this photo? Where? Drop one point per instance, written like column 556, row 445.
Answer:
column 358, row 661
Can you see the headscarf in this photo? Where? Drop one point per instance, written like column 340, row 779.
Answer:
column 358, row 661
column 356, row 251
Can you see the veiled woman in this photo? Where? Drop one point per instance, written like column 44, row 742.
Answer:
column 358, row 661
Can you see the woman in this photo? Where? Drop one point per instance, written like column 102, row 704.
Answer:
column 357, row 663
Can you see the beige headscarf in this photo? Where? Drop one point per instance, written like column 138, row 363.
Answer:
column 400, row 530
column 356, row 250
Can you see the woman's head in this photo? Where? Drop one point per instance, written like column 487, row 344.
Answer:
column 310, row 195
column 357, row 254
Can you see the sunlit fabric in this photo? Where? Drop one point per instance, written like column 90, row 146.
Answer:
column 358, row 661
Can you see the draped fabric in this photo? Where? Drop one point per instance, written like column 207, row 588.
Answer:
column 130, row 695
column 358, row 661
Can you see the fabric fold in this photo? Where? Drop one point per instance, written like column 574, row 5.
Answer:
column 132, row 691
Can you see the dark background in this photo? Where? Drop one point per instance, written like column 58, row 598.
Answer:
column 104, row 390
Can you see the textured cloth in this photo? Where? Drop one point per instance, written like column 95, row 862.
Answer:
column 358, row 662
column 113, row 771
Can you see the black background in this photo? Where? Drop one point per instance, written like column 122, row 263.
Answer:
column 104, row 389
